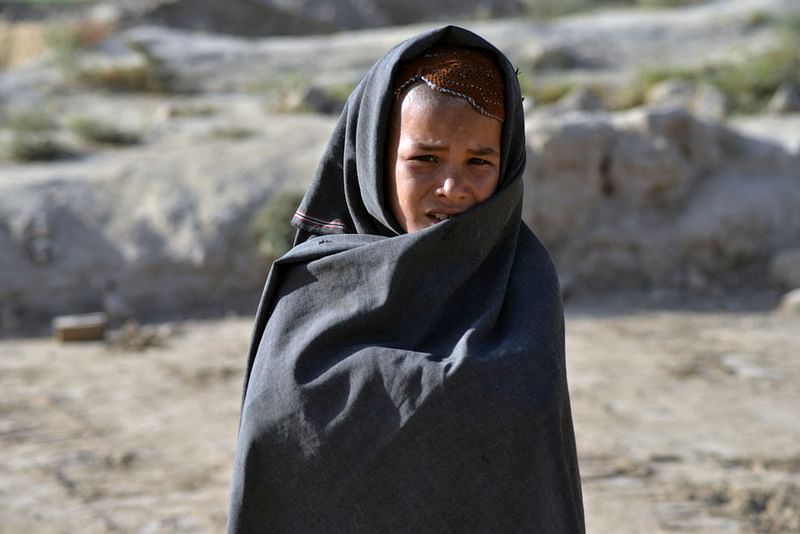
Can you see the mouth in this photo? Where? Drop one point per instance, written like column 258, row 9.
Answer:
column 438, row 216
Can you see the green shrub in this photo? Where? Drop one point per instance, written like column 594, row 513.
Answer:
column 94, row 131
column 544, row 92
column 36, row 146
column 53, row 2
column 628, row 96
column 546, row 9
column 271, row 225
column 147, row 75
column 32, row 121
column 33, row 139
column 67, row 40
column 339, row 92
column 278, row 84
column 759, row 18
column 549, row 93
column 299, row 94
column 70, row 40
column 748, row 85
column 791, row 23
column 64, row 42
column 233, row 132
column 120, row 78
column 192, row 110
column 751, row 84
column 667, row 3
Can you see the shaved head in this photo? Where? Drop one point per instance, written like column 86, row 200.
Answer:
column 419, row 94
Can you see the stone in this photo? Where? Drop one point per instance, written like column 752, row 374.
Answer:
column 647, row 171
column 580, row 99
column 785, row 100
column 790, row 302
column 671, row 92
column 709, row 102
column 555, row 57
column 83, row 327
column 704, row 100
column 314, row 99
column 701, row 143
column 564, row 177
column 785, row 268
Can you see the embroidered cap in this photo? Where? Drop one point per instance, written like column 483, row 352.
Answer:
column 468, row 73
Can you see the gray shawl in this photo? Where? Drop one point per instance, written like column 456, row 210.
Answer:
column 407, row 382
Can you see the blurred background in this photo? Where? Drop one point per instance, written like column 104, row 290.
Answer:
column 153, row 151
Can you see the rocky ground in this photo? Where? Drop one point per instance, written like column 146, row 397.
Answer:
column 686, row 421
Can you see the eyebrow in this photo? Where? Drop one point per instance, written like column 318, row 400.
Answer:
column 484, row 151
column 479, row 151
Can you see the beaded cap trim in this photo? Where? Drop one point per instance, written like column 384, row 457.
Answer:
column 468, row 73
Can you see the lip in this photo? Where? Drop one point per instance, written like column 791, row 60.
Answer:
column 449, row 212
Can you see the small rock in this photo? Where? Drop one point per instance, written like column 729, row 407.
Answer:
column 709, row 102
column 790, row 302
column 82, row 327
column 785, row 100
column 672, row 92
column 556, row 58
column 704, row 100
column 313, row 99
column 106, row 14
column 133, row 337
column 785, row 268
column 581, row 99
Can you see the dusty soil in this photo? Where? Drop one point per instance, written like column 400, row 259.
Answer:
column 686, row 421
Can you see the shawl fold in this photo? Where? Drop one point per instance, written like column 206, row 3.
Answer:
column 407, row 382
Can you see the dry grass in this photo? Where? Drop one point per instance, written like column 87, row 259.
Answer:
column 271, row 225
column 98, row 132
column 33, row 138
column 36, row 146
column 20, row 42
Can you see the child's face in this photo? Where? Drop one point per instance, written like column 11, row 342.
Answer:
column 442, row 157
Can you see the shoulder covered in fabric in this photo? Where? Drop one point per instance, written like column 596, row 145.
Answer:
column 537, row 251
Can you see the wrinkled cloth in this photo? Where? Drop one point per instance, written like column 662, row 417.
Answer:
column 407, row 382
column 468, row 73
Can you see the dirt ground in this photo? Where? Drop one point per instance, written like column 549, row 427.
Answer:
column 687, row 421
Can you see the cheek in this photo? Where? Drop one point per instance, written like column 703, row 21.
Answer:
column 485, row 185
column 412, row 183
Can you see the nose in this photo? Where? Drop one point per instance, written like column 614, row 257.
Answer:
column 453, row 187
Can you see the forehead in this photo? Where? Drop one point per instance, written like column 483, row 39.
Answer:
column 419, row 103
column 420, row 96
column 423, row 115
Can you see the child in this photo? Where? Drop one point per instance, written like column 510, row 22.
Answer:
column 406, row 372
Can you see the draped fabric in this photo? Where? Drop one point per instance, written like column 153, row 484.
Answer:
column 407, row 382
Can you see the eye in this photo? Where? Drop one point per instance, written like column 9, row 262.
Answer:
column 428, row 158
column 479, row 161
